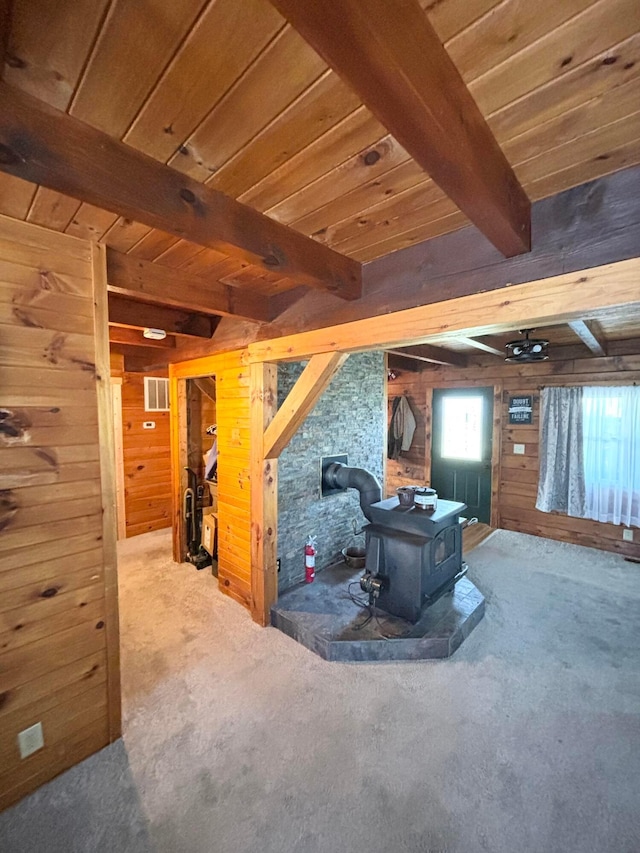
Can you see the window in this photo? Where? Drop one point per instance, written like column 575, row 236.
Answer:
column 462, row 428
column 611, row 453
column 590, row 453
column 156, row 394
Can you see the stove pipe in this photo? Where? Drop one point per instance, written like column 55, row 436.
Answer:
column 339, row 476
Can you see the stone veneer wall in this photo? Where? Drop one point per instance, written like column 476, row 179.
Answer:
column 349, row 418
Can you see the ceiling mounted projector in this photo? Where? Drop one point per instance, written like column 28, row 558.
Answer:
column 154, row 334
column 527, row 349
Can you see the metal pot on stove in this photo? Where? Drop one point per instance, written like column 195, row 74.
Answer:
column 425, row 498
column 405, row 495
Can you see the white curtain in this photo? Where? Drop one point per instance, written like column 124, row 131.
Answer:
column 611, row 432
column 561, row 486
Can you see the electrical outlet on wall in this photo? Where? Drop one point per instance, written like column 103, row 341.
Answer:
column 30, row 740
column 627, row 535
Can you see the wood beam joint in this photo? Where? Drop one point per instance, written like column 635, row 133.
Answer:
column 399, row 363
column 138, row 279
column 432, row 354
column 591, row 335
column 300, row 401
column 46, row 146
column 481, row 345
column 391, row 56
column 132, row 314
column 544, row 302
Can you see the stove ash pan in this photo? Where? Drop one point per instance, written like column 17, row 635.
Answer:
column 415, row 554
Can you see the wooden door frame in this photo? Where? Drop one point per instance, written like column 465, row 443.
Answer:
column 179, row 436
column 496, row 435
column 177, row 398
column 109, row 487
column 179, row 444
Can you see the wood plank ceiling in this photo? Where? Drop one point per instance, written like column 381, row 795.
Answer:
column 609, row 333
column 228, row 94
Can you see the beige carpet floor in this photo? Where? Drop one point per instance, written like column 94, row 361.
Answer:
column 238, row 740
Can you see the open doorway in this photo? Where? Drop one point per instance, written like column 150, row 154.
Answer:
column 198, row 465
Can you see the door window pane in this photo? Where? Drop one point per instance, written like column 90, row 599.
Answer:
column 462, row 428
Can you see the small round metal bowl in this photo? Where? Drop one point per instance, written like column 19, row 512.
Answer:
column 406, row 495
column 354, row 557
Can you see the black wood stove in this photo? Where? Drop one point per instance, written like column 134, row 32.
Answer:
column 413, row 555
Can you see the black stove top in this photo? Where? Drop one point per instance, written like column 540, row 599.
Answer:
column 413, row 519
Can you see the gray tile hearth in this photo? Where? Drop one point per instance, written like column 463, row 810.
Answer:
column 324, row 618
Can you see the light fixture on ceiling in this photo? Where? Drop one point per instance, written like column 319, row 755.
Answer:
column 527, row 349
column 154, row 334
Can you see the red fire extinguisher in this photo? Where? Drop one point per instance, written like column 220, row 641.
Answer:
column 310, row 559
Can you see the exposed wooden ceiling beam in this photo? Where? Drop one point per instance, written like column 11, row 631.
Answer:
column 590, row 334
column 545, row 302
column 463, row 262
column 135, row 338
column 135, row 278
column 141, row 315
column 477, row 343
column 434, row 355
column 137, row 359
column 41, row 144
column 399, row 363
column 390, row 55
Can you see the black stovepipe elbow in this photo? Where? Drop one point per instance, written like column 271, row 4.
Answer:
column 339, row 476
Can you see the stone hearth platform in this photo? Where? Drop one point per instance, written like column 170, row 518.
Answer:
column 323, row 617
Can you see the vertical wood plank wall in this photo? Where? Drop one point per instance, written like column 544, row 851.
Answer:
column 58, row 602
column 233, row 409
column 517, row 475
column 147, row 459
column 234, row 485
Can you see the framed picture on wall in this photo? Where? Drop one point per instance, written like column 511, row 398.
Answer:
column 521, row 410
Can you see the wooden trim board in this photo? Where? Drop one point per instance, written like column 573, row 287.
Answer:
column 116, row 398
column 264, row 495
column 546, row 302
column 109, row 488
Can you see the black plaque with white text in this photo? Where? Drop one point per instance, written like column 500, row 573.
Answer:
column 521, row 410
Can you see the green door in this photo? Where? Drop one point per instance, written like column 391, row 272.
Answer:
column 461, row 448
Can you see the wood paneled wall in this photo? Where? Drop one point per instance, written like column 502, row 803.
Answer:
column 58, row 599
column 147, row 460
column 234, row 486
column 233, row 406
column 518, row 474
